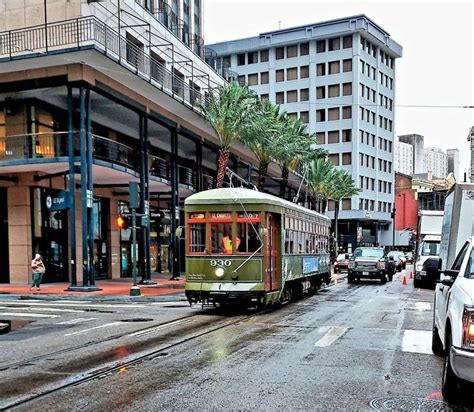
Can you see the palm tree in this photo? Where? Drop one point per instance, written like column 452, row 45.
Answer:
column 340, row 186
column 320, row 172
column 264, row 137
column 230, row 109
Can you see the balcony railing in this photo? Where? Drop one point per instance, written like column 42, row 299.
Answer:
column 186, row 176
column 91, row 32
column 159, row 167
column 114, row 152
column 208, row 182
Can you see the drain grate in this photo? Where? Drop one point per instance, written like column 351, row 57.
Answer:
column 407, row 403
column 137, row 320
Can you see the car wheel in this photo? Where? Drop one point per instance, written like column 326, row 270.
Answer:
column 383, row 279
column 450, row 384
column 350, row 279
column 417, row 283
column 436, row 344
column 335, row 270
column 390, row 278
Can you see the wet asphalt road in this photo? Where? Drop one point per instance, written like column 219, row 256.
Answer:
column 354, row 347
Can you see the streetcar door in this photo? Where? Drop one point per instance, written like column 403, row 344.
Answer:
column 271, row 253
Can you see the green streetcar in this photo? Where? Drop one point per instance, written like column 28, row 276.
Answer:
column 248, row 246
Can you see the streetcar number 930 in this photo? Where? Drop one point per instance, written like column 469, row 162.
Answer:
column 220, row 262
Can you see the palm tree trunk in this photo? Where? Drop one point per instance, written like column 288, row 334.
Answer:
column 284, row 180
column 222, row 161
column 262, row 174
column 336, row 221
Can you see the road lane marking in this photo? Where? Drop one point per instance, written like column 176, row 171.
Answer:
column 417, row 341
column 159, row 327
column 75, row 321
column 28, row 315
column 23, row 303
column 423, row 306
column 332, row 333
column 95, row 327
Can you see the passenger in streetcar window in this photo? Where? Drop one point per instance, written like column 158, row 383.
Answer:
column 227, row 243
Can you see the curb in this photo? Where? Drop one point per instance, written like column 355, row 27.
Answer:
column 172, row 297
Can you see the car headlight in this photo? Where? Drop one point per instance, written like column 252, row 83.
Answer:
column 419, row 267
column 468, row 328
column 219, row 272
column 381, row 264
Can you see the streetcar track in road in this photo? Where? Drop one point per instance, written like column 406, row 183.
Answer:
column 90, row 375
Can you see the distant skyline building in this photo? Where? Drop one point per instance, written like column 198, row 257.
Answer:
column 403, row 157
column 453, row 163
column 339, row 78
column 470, row 138
column 435, row 160
column 417, row 141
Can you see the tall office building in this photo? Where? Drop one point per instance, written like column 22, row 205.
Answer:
column 403, row 157
column 435, row 160
column 453, row 163
column 418, row 143
column 338, row 76
column 470, row 138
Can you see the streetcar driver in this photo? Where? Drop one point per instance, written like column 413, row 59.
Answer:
column 227, row 243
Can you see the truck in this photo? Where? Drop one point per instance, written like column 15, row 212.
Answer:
column 458, row 222
column 430, row 225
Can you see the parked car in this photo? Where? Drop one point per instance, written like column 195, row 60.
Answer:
column 453, row 324
column 368, row 263
column 400, row 259
column 341, row 263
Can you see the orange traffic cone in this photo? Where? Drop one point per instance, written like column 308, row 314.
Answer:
column 411, row 275
column 404, row 281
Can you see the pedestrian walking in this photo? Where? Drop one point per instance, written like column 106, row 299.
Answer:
column 38, row 269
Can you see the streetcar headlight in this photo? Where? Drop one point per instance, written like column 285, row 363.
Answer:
column 219, row 272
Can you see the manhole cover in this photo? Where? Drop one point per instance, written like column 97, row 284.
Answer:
column 136, row 320
column 407, row 403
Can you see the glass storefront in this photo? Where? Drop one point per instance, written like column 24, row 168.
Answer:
column 101, row 213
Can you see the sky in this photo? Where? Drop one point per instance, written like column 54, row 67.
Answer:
column 436, row 71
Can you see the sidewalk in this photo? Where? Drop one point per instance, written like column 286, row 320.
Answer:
column 112, row 289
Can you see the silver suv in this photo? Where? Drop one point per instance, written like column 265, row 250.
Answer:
column 367, row 263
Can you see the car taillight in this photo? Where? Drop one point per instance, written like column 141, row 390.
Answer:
column 468, row 328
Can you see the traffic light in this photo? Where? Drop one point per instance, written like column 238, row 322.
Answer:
column 122, row 222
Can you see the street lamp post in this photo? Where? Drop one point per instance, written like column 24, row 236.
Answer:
column 393, row 223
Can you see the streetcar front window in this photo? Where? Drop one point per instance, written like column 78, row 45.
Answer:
column 222, row 239
column 197, row 237
column 248, row 238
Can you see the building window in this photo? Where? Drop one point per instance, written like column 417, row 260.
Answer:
column 347, row 65
column 292, row 73
column 264, row 96
column 346, row 204
column 280, row 75
column 304, row 95
column 279, row 53
column 304, row 72
column 320, row 46
column 321, row 92
column 292, row 115
column 320, row 137
column 264, row 78
column 304, row 49
column 263, row 55
column 321, row 69
column 241, row 79
column 304, row 117
column 241, row 59
column 333, row 137
column 347, row 89
column 252, row 57
column 253, row 79
column 333, row 90
column 347, row 135
column 333, row 113
column 347, row 42
column 334, row 67
column 291, row 96
column 292, row 51
column 280, row 98
column 346, row 159
column 334, row 159
column 334, row 44
column 320, row 115
column 347, row 112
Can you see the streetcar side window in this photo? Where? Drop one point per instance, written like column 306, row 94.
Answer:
column 249, row 241
column 197, row 237
column 222, row 238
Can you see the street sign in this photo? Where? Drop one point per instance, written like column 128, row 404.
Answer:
column 57, row 201
column 90, row 198
column 147, row 207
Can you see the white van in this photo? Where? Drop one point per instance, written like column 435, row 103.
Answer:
column 453, row 324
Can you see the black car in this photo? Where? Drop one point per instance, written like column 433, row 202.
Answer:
column 367, row 263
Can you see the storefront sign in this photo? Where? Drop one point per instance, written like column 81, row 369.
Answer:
column 310, row 265
column 57, row 201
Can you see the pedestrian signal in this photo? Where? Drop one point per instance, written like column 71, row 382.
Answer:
column 121, row 222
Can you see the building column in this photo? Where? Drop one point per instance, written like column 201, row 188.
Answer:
column 174, row 212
